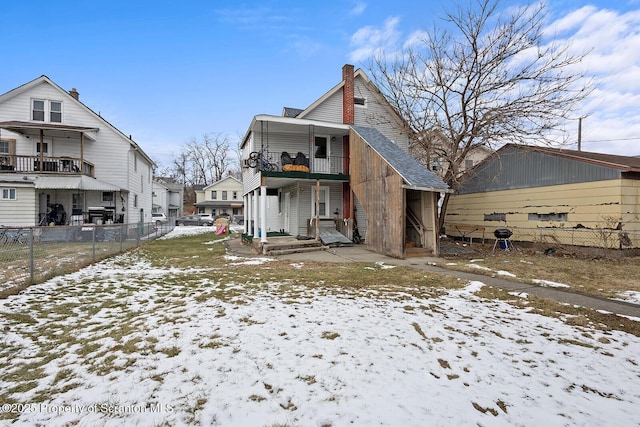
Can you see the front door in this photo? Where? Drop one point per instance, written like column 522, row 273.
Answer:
column 321, row 155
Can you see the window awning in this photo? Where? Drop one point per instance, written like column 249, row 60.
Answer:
column 32, row 129
column 76, row 182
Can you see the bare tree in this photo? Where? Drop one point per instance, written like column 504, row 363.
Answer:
column 486, row 79
column 208, row 158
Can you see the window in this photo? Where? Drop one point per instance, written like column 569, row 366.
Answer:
column 321, row 147
column 4, row 147
column 224, row 195
column 38, row 110
column 107, row 196
column 135, row 201
column 214, row 195
column 235, row 195
column 549, row 217
column 55, row 112
column 8, row 194
column 77, row 202
column 44, row 149
column 495, row 217
column 360, row 101
column 324, row 202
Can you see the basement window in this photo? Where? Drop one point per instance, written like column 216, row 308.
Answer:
column 563, row 216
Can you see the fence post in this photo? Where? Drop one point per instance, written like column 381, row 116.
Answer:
column 31, row 260
column 121, row 236
column 93, row 239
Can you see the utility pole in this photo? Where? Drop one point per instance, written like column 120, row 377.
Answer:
column 579, row 133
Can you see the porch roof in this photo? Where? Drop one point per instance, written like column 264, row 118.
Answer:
column 76, row 182
column 32, row 129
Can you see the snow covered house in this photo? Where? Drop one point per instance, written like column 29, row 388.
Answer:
column 339, row 165
column 60, row 160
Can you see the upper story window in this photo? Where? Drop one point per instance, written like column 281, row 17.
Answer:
column 55, row 112
column 38, row 110
column 235, row 195
column 42, row 109
column 214, row 194
column 360, row 101
column 224, row 195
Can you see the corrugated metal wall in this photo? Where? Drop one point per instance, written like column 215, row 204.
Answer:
column 514, row 168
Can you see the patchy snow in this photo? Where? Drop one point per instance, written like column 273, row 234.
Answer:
column 629, row 296
column 505, row 273
column 206, row 350
column 550, row 284
column 187, row 230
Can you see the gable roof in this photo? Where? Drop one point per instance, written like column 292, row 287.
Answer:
column 44, row 79
column 410, row 169
column 359, row 73
column 221, row 181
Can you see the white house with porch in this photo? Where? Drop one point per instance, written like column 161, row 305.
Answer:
column 62, row 163
column 339, row 165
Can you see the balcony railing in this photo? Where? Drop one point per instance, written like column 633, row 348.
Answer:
column 57, row 165
column 277, row 162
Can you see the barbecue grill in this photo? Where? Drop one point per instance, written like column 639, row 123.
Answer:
column 502, row 238
column 502, row 233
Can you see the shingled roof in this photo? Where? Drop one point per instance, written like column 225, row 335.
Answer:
column 413, row 172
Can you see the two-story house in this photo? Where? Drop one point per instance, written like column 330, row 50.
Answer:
column 223, row 197
column 340, row 163
column 168, row 196
column 62, row 162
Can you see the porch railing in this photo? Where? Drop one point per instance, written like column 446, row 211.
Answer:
column 277, row 162
column 46, row 164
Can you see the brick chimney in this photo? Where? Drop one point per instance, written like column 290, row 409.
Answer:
column 74, row 92
column 348, row 113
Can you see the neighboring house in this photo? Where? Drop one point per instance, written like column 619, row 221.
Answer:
column 339, row 164
column 436, row 151
column 168, row 197
column 537, row 187
column 223, row 197
column 59, row 161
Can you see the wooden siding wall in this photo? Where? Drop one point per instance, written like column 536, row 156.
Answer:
column 379, row 189
column 589, row 204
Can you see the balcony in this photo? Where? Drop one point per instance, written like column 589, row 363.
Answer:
column 46, row 164
column 300, row 163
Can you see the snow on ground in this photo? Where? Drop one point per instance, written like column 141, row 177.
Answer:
column 629, row 296
column 550, row 284
column 121, row 347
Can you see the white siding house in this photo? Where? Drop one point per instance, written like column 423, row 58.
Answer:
column 64, row 161
column 296, row 170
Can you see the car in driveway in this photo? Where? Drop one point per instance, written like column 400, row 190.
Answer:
column 194, row 220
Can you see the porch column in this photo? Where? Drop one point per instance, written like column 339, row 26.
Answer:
column 248, row 214
column 263, row 213
column 255, row 212
column 245, row 215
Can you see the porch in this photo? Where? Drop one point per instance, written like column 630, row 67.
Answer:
column 12, row 163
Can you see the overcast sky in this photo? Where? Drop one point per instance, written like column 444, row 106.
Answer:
column 167, row 71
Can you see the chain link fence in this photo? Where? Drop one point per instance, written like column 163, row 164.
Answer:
column 31, row 255
column 597, row 238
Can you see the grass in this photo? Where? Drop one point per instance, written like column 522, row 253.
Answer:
column 208, row 277
column 603, row 277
